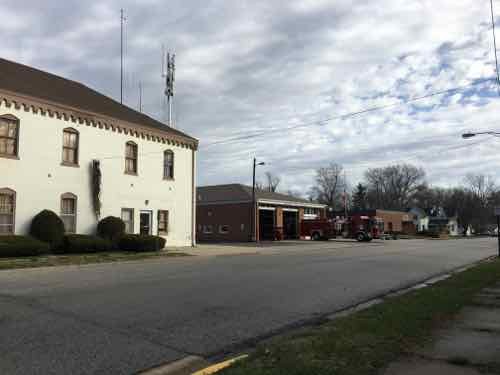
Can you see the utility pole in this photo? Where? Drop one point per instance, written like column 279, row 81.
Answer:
column 498, row 234
column 497, row 214
column 345, row 195
column 254, row 213
column 122, row 20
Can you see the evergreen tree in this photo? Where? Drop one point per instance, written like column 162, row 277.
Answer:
column 359, row 197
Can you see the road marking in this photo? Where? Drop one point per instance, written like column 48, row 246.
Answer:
column 220, row 366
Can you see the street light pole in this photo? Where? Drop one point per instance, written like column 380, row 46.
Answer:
column 254, row 203
column 497, row 214
column 498, row 234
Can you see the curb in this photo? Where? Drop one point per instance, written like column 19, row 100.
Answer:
column 182, row 366
column 396, row 293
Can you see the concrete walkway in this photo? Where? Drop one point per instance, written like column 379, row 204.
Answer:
column 269, row 247
column 469, row 346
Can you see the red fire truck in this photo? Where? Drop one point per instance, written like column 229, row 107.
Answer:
column 318, row 229
column 359, row 227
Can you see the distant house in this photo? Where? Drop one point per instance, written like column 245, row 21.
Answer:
column 453, row 227
column 226, row 213
column 438, row 224
column 420, row 219
column 435, row 221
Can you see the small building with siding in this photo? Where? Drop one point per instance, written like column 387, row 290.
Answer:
column 225, row 213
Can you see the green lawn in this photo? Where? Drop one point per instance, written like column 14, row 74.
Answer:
column 79, row 259
column 366, row 341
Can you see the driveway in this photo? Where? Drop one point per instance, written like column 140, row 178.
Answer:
column 123, row 317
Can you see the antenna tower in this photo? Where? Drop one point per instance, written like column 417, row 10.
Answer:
column 168, row 72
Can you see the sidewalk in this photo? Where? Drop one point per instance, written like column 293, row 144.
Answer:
column 469, row 345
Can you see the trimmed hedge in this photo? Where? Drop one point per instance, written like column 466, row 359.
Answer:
column 48, row 227
column 80, row 244
column 22, row 246
column 141, row 243
column 111, row 228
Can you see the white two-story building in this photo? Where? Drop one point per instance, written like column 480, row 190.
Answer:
column 69, row 149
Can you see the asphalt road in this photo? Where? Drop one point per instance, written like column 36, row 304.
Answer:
column 120, row 318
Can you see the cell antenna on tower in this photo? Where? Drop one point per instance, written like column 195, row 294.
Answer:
column 168, row 72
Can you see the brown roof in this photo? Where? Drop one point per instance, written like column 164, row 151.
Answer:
column 24, row 80
column 241, row 193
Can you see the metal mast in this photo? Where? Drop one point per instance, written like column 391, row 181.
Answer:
column 168, row 72
column 122, row 20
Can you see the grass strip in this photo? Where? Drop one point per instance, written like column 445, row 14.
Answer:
column 367, row 341
column 80, row 259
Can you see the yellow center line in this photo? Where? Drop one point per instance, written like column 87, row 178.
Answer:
column 219, row 366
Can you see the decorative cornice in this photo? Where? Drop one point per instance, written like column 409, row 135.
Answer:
column 67, row 113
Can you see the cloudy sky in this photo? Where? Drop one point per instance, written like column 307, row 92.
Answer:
column 287, row 71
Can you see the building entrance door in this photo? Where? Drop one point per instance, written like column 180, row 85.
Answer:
column 146, row 221
column 266, row 225
column 290, row 225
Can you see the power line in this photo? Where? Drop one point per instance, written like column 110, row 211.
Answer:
column 495, row 46
column 366, row 165
column 349, row 114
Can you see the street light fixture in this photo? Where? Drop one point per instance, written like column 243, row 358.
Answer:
column 254, row 209
column 471, row 135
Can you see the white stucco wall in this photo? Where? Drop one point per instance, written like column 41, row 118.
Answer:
column 39, row 179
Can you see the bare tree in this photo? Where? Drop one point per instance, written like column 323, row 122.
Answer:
column 329, row 186
column 259, row 186
column 272, row 182
column 294, row 193
column 481, row 186
column 483, row 191
column 393, row 187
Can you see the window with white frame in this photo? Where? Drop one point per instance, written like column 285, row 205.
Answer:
column 70, row 147
column 168, row 165
column 128, row 219
column 9, row 136
column 7, row 211
column 131, row 158
column 162, row 222
column 68, row 212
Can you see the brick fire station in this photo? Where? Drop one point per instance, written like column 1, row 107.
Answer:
column 225, row 213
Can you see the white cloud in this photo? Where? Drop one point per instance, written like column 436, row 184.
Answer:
column 252, row 66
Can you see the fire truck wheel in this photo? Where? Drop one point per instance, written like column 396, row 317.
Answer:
column 316, row 236
column 360, row 237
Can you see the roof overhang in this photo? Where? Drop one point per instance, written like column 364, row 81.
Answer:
column 290, row 203
column 64, row 112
